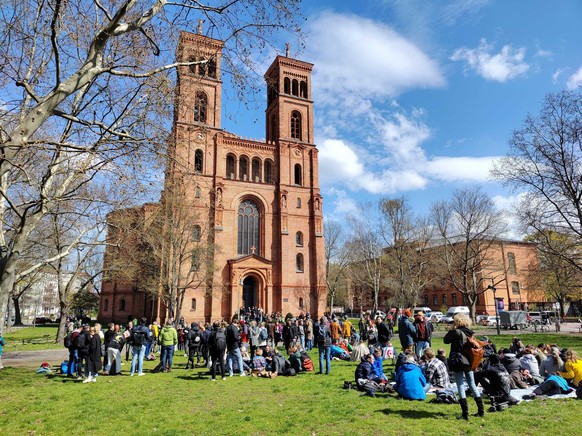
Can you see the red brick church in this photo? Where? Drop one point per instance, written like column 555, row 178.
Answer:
column 255, row 204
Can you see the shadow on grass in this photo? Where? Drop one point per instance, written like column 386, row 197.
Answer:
column 414, row 414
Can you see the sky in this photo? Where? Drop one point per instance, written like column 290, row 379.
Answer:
column 417, row 98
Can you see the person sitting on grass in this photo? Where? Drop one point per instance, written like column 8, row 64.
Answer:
column 337, row 352
column 377, row 366
column 366, row 379
column 260, row 366
column 496, row 383
column 295, row 359
column 360, row 350
column 410, row 382
column 552, row 364
column 435, row 372
column 572, row 368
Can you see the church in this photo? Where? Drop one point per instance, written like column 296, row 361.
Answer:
column 255, row 205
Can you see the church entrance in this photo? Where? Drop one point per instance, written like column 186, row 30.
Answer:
column 249, row 292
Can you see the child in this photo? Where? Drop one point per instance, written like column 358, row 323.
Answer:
column 259, row 364
column 379, row 375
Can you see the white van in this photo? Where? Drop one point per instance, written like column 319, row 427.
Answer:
column 454, row 310
column 427, row 311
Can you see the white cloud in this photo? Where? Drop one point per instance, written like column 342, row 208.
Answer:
column 575, row 80
column 358, row 58
column 557, row 74
column 463, row 168
column 501, row 67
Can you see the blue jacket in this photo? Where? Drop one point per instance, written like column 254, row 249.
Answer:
column 377, row 367
column 561, row 382
column 406, row 332
column 410, row 382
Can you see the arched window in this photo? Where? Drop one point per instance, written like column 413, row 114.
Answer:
column 122, row 305
column 426, row 299
column 198, row 160
column 298, row 202
column 193, row 304
column 297, row 174
column 287, row 85
column 299, row 239
column 196, row 233
column 454, row 298
column 106, row 305
column 303, row 89
column 202, row 68
column 296, row 125
column 256, row 170
column 230, row 166
column 212, row 68
column 192, row 66
column 299, row 262
column 269, row 172
column 295, row 87
column 444, row 299
column 435, row 300
column 200, row 106
column 300, row 303
column 511, row 263
column 274, row 127
column 243, row 168
column 248, row 228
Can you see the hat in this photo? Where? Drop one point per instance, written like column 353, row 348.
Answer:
column 494, row 359
column 407, row 312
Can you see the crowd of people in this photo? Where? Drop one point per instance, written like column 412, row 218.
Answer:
column 248, row 346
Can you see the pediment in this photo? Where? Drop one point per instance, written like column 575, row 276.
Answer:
column 251, row 261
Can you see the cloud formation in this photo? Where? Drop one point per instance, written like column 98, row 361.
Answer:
column 575, row 80
column 508, row 64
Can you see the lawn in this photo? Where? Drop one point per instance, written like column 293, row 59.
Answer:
column 186, row 402
column 31, row 338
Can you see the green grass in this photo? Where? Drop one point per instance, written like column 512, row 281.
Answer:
column 31, row 338
column 185, row 402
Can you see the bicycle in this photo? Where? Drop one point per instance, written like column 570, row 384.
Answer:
column 538, row 327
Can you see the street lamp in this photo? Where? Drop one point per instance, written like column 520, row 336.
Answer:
column 496, row 308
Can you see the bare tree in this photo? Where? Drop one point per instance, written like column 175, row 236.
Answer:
column 87, row 90
column 407, row 240
column 467, row 228
column 545, row 163
column 336, row 260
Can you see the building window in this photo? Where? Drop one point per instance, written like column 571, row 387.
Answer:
column 230, row 166
column 256, row 170
column 511, row 262
column 303, row 89
column 299, row 239
column 299, row 262
column 106, row 305
column 196, row 233
column 298, row 202
column 426, row 299
column 274, row 127
column 295, row 87
column 444, row 299
column 212, row 67
column 297, row 174
column 198, row 157
column 192, row 66
column 435, row 300
column 193, row 304
column 269, row 172
column 122, row 305
column 300, row 303
column 243, row 168
column 200, row 106
column 248, row 228
column 296, row 125
column 196, row 259
column 515, row 288
column 454, row 299
column 287, row 85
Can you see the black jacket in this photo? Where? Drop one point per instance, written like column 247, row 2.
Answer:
column 456, row 339
column 364, row 370
column 232, row 337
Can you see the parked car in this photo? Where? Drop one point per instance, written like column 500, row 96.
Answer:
column 42, row 320
column 454, row 310
column 436, row 316
column 380, row 314
column 488, row 321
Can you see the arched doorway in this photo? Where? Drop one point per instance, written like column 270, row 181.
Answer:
column 249, row 292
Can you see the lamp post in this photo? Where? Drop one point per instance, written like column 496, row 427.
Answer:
column 241, row 307
column 496, row 308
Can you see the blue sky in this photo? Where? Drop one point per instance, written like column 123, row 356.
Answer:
column 417, row 98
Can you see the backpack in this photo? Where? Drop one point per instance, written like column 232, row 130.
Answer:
column 474, row 352
column 69, row 340
column 307, row 364
column 81, row 341
column 138, row 337
column 263, row 336
column 219, row 340
column 290, row 372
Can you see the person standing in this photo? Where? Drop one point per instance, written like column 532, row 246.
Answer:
column 233, row 348
column 423, row 333
column 457, row 337
column 2, row 343
column 114, row 347
column 93, row 356
column 138, row 337
column 168, row 341
column 82, row 345
column 309, row 333
column 217, row 348
column 323, row 339
column 406, row 331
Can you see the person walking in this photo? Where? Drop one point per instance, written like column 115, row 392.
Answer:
column 168, row 341
column 217, row 348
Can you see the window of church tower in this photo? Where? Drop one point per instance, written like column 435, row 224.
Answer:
column 298, row 202
column 295, row 87
column 243, row 168
column 300, row 303
column 248, row 228
column 198, row 157
column 200, row 107
column 230, row 166
column 299, row 262
column 192, row 66
column 299, row 239
column 193, row 304
column 296, row 125
column 196, row 233
column 274, row 127
column 212, row 68
column 303, row 89
column 256, row 170
column 202, row 69
column 298, row 174
column 287, row 85
column 122, row 305
column 106, row 305
column 269, row 172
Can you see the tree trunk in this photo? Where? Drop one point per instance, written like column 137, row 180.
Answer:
column 17, row 315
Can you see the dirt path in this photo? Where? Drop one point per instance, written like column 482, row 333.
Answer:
column 33, row 359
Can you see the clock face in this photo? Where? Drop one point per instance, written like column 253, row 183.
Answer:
column 297, row 152
column 200, row 135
